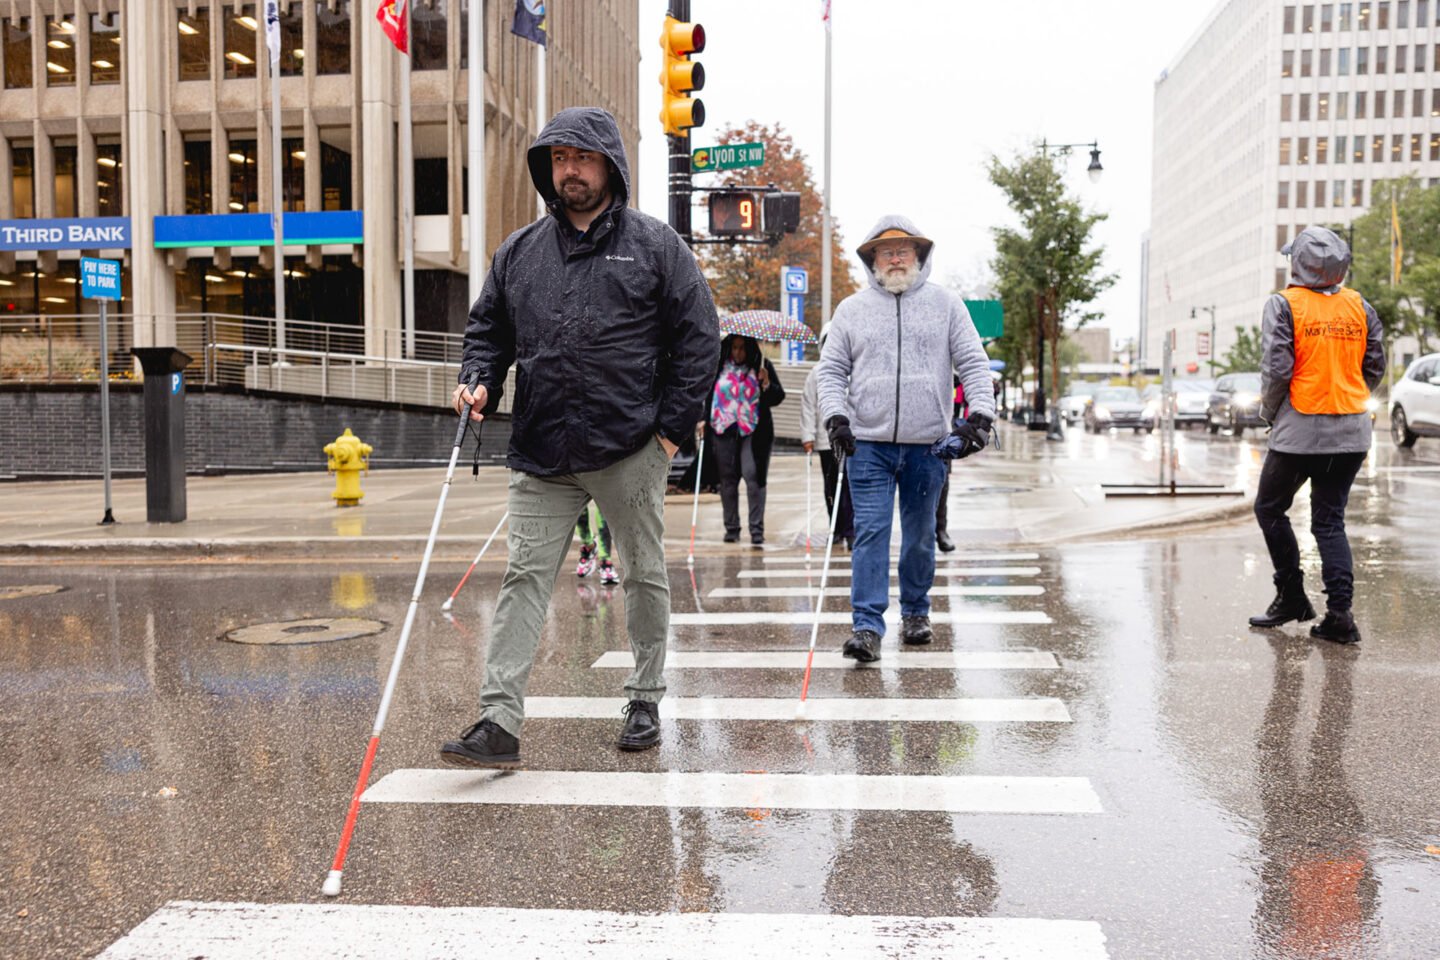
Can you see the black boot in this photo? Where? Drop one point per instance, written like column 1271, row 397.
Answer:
column 642, row 726
column 1290, row 603
column 943, row 541
column 863, row 646
column 486, row 744
column 1338, row 627
column 915, row 630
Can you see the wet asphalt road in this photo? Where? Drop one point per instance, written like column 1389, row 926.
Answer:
column 1261, row 795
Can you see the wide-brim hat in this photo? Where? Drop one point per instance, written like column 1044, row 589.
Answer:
column 866, row 250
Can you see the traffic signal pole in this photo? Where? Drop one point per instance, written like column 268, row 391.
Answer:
column 680, row 182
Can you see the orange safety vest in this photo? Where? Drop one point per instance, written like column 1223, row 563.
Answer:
column 1330, row 333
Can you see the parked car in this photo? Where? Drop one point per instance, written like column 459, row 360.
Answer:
column 1118, row 407
column 1077, row 397
column 1192, row 398
column 1415, row 402
column 1235, row 403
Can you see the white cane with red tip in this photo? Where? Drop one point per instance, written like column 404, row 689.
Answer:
column 450, row 601
column 695, row 508
column 824, row 576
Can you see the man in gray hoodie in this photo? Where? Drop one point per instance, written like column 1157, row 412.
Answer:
column 887, row 397
column 1321, row 355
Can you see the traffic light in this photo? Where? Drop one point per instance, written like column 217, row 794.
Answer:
column 679, row 77
column 782, row 212
column 736, row 213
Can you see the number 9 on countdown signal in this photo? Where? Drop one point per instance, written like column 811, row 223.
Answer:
column 735, row 213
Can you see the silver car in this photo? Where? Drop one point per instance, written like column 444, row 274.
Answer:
column 1415, row 402
column 1076, row 399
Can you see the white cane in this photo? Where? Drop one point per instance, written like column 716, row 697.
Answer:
column 695, row 509
column 808, row 457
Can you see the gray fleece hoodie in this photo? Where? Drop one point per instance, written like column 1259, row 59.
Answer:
column 1318, row 260
column 886, row 363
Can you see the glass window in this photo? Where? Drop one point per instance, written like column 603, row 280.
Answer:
column 1382, row 15
column 241, row 30
column 430, row 182
column 1285, row 101
column 22, row 182
column 1435, row 146
column 1379, row 110
column 1340, row 149
column 19, row 65
column 1414, row 146
column 427, row 36
column 1377, row 149
column 1435, row 102
column 194, row 46
column 59, row 52
column 1302, row 150
column 1305, row 57
column 1307, row 19
column 1287, row 63
column 1322, row 149
column 1400, row 53
column 244, row 178
column 1346, row 21
column 1362, row 60
column 1422, row 12
column 332, row 37
column 1289, row 19
column 334, row 177
column 107, row 179
column 1420, row 58
column 65, row 205
column 1284, row 151
column 1319, row 193
column 1302, row 195
column 1360, row 97
column 1325, row 62
column 1327, row 17
column 1282, row 200
column 1342, row 61
column 1304, row 106
column 104, row 49
column 1322, row 106
column 1342, row 106
column 1282, row 236
column 1382, row 57
column 292, row 42
column 1337, row 194
column 1357, row 193
column 1363, row 19
column 1402, row 14
column 1357, row 152
column 1397, row 147
column 292, row 160
column 1397, row 107
column 1279, row 278
column 199, row 196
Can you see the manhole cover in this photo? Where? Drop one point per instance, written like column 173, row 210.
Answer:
column 314, row 630
column 30, row 590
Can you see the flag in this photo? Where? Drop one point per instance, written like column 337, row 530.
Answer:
column 529, row 21
column 1396, row 250
column 272, row 30
column 392, row 20
column 825, row 13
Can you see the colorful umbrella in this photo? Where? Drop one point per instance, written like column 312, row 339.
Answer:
column 766, row 325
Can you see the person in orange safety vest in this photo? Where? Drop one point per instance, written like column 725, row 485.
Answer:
column 1321, row 355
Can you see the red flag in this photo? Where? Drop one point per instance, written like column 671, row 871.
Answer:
column 392, row 20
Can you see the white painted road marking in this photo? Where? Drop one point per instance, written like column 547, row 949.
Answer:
column 999, row 590
column 947, row 710
column 941, row 573
column 832, row 660
column 244, row 931
column 783, row 791
column 803, row 618
column 941, row 559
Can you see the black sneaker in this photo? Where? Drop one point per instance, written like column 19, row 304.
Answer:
column 486, row 744
column 732, row 537
column 943, row 541
column 1290, row 603
column 642, row 725
column 863, row 646
column 1337, row 627
column 915, row 630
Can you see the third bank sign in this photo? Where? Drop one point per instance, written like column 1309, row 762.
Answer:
column 84, row 233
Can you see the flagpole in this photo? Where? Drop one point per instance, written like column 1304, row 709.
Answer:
column 827, row 224
column 476, row 128
column 407, row 193
column 277, row 175
column 540, row 96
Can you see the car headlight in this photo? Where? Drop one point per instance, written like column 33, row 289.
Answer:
column 1103, row 412
column 1245, row 399
column 1372, row 405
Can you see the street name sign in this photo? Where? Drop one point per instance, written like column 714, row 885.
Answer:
column 730, row 156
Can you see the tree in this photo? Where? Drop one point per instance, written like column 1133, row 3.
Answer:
column 1411, row 307
column 1046, row 272
column 1244, row 355
column 747, row 276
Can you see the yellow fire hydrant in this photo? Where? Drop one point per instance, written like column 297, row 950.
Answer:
column 348, row 456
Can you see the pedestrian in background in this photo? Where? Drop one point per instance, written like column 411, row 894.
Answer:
column 596, row 544
column 612, row 330
column 1321, row 355
column 814, row 438
column 942, row 508
column 742, row 431
column 888, row 400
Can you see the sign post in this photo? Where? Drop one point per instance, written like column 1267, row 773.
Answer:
column 794, row 284
column 100, row 280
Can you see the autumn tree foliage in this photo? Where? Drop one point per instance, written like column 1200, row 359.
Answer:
column 747, row 276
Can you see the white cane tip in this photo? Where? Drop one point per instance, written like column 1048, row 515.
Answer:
column 448, row 604
column 800, row 711
column 690, row 560
column 332, row 884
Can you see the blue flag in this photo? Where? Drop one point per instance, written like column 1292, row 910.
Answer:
column 530, row 20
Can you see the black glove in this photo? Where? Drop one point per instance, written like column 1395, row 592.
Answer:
column 841, row 438
column 969, row 436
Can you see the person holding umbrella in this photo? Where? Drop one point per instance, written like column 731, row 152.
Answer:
column 742, row 431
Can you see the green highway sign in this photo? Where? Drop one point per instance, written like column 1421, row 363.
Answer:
column 731, row 156
column 988, row 317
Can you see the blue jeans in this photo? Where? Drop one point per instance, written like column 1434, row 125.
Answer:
column 877, row 472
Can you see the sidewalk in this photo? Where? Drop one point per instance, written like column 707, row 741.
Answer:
column 1030, row 492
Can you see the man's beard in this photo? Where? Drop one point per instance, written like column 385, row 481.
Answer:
column 899, row 282
column 580, row 197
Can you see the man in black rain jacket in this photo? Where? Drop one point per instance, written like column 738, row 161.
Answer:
column 612, row 330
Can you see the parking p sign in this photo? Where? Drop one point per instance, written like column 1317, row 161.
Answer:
column 796, row 280
column 99, row 279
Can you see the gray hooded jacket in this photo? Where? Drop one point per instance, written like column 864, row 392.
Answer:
column 1318, row 260
column 887, row 361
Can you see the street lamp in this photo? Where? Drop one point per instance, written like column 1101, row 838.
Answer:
column 1094, row 169
column 1212, row 336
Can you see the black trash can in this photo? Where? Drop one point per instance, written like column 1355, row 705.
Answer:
column 164, row 432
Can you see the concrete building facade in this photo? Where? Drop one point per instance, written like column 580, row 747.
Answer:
column 1275, row 116
column 159, row 111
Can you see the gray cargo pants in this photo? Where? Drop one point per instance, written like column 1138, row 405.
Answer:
column 631, row 496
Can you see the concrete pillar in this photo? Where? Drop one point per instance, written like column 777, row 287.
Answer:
column 380, row 196
column 152, row 282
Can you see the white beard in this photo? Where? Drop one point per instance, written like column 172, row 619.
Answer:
column 900, row 282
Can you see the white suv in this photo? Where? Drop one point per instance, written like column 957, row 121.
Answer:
column 1415, row 402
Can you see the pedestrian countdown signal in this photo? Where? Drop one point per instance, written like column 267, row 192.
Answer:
column 735, row 213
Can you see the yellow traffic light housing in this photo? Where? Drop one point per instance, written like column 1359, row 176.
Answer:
column 679, row 77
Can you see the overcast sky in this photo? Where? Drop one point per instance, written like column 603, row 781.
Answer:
column 924, row 91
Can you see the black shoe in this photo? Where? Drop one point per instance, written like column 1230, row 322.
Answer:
column 943, row 541
column 1338, row 627
column 642, row 726
column 915, row 630
column 732, row 537
column 1290, row 603
column 485, row 744
column 757, row 539
column 864, row 646
column 849, row 544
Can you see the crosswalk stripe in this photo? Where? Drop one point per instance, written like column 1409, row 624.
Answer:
column 998, row 590
column 804, row 618
column 786, row 791
column 941, row 573
column 832, row 660
column 945, row 710
column 818, row 560
column 244, row 931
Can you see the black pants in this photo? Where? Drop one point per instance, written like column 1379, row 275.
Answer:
column 942, row 511
column 735, row 456
column 845, row 523
column 1330, row 477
